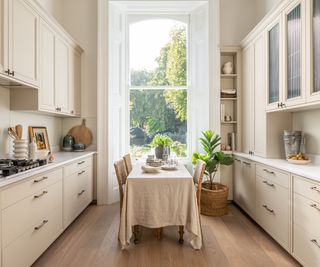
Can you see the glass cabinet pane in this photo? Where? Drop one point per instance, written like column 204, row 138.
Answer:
column 274, row 64
column 316, row 46
column 294, row 53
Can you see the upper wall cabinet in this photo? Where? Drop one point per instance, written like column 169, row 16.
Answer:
column 20, row 41
column 40, row 38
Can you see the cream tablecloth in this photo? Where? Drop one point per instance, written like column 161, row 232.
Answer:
column 159, row 200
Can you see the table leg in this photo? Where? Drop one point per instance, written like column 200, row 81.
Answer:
column 181, row 232
column 159, row 233
column 136, row 232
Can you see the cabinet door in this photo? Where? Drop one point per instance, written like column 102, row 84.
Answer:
column 259, row 97
column 248, row 99
column 313, row 15
column 237, row 180
column 46, row 90
column 61, row 75
column 294, row 92
column 248, row 187
column 23, row 42
column 75, row 83
column 273, row 62
column 3, row 45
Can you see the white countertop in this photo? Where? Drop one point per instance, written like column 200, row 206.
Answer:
column 310, row 171
column 61, row 159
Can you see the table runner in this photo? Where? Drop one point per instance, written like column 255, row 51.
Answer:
column 157, row 200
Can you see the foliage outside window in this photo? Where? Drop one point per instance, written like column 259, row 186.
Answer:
column 158, row 97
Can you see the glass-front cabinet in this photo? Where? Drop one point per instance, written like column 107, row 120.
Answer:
column 294, row 52
column 273, row 63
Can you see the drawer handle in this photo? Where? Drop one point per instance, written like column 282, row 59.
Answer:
column 81, row 162
column 40, row 180
column 237, row 160
column 79, row 194
column 247, row 163
column 79, row 173
column 267, row 183
column 267, row 171
column 315, row 206
column 268, row 209
column 43, row 193
column 315, row 188
column 314, row 241
column 41, row 225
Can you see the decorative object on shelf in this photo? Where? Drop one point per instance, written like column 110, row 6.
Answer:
column 227, row 118
column 232, row 141
column 81, row 134
column 67, row 143
column 228, row 93
column 150, row 169
column 162, row 144
column 20, row 149
column 33, row 149
column 78, row 147
column 214, row 196
column 41, row 137
column 51, row 157
column 292, row 142
column 19, row 131
column 222, row 111
column 12, row 133
column 227, row 68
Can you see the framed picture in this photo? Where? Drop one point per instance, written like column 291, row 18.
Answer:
column 41, row 137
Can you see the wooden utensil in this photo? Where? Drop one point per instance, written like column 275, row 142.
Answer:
column 12, row 133
column 19, row 131
column 81, row 134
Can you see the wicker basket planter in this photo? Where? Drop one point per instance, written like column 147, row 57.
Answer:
column 214, row 202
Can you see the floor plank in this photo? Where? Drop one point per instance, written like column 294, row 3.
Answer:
column 231, row 240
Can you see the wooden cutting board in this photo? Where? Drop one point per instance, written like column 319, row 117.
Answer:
column 81, row 134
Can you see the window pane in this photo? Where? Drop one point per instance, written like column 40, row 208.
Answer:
column 316, row 45
column 158, row 50
column 274, row 64
column 158, row 111
column 294, row 53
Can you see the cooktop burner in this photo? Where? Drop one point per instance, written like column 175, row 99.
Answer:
column 12, row 166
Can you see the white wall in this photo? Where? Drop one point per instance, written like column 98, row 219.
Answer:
column 11, row 118
column 263, row 7
column 308, row 121
column 54, row 7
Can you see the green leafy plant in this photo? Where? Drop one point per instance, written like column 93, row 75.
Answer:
column 161, row 140
column 213, row 157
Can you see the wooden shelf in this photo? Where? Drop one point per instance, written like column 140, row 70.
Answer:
column 228, row 99
column 228, row 75
column 229, row 122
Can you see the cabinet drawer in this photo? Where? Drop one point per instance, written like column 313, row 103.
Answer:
column 24, row 189
column 307, row 214
column 306, row 188
column 280, row 178
column 77, row 195
column 17, row 218
column 272, row 210
column 77, row 166
column 29, row 246
column 306, row 247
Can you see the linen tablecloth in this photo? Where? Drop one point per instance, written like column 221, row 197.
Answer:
column 160, row 199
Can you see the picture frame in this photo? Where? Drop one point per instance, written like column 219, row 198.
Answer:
column 41, row 137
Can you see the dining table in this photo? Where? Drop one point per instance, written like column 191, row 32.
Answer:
column 156, row 200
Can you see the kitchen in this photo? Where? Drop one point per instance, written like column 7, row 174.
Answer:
column 63, row 61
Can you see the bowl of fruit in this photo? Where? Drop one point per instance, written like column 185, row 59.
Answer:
column 300, row 159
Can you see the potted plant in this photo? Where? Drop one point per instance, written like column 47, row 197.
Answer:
column 214, row 196
column 161, row 142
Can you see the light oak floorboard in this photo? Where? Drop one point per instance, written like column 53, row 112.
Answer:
column 231, row 240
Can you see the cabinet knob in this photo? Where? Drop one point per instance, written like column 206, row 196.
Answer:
column 72, row 111
column 7, row 71
column 314, row 241
column 279, row 105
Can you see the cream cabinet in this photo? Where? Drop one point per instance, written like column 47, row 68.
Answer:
column 244, row 185
column 75, row 83
column 20, row 41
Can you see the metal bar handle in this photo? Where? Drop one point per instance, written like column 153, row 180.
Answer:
column 40, row 180
column 315, row 188
column 41, row 225
column 79, row 194
column 314, row 241
column 315, row 206
column 43, row 193
column 237, row 160
column 79, row 173
column 267, row 171
column 268, row 209
column 267, row 183
column 247, row 163
column 81, row 162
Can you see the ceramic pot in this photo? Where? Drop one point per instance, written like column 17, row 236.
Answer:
column 68, row 142
column 159, row 152
column 227, row 68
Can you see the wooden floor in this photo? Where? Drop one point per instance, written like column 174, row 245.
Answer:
column 232, row 240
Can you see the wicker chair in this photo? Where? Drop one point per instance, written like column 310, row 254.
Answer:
column 197, row 180
column 122, row 174
column 128, row 163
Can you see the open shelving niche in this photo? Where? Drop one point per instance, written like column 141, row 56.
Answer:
column 232, row 107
